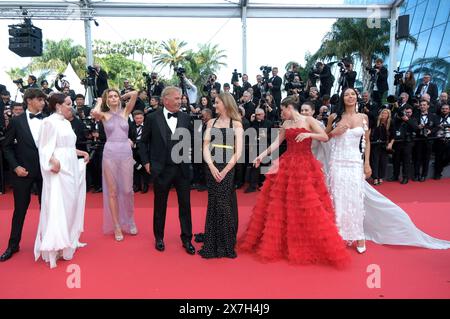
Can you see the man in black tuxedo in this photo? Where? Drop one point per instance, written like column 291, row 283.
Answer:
column 212, row 84
column 21, row 152
column 101, row 80
column 140, row 176
column 163, row 131
column 427, row 87
column 428, row 127
column 326, row 79
column 274, row 85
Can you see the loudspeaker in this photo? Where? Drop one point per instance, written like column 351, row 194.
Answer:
column 403, row 27
column 25, row 40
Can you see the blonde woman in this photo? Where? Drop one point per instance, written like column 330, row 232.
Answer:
column 222, row 149
column 382, row 138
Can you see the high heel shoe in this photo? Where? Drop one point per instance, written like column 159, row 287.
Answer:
column 133, row 230
column 362, row 249
column 118, row 234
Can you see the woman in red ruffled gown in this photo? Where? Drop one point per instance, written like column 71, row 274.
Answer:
column 293, row 218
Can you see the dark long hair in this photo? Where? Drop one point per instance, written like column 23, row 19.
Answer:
column 341, row 107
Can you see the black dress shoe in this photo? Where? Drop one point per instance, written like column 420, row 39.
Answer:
column 159, row 245
column 422, row 179
column 189, row 248
column 97, row 190
column 437, row 177
column 250, row 190
column 393, row 179
column 144, row 190
column 136, row 188
column 404, row 181
column 8, row 254
column 416, row 178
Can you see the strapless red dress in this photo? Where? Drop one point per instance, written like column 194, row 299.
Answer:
column 293, row 218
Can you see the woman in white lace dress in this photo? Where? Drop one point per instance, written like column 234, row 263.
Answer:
column 349, row 166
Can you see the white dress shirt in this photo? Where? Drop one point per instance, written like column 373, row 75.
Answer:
column 172, row 122
column 35, row 126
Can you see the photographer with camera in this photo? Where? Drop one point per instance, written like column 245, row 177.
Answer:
column 347, row 75
column 293, row 76
column 259, row 89
column 238, row 90
column 266, row 103
column 379, row 83
column 101, row 79
column 427, row 87
column 211, row 83
column 443, row 100
column 31, row 83
column 323, row 73
column 405, row 131
column 442, row 145
column 274, row 85
column 154, row 86
column 248, row 105
column 126, row 87
column 428, row 127
column 65, row 87
column 191, row 90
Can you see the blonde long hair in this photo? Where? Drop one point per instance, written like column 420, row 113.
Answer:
column 388, row 120
column 230, row 106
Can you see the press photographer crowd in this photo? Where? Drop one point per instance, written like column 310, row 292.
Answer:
column 411, row 129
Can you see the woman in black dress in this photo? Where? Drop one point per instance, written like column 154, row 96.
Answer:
column 222, row 148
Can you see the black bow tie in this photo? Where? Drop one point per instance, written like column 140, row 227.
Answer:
column 39, row 116
column 169, row 115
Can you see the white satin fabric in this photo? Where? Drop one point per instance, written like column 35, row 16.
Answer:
column 384, row 222
column 63, row 194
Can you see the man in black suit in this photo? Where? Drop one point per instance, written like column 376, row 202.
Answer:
column 212, row 84
column 427, row 87
column 140, row 176
column 428, row 127
column 326, row 80
column 21, row 152
column 381, row 84
column 101, row 80
column 274, row 85
column 164, row 131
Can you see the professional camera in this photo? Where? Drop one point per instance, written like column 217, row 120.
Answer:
column 372, row 71
column 180, row 71
column 18, row 81
column 398, row 76
column 91, row 70
column 60, row 76
column 235, row 76
column 266, row 70
column 444, row 131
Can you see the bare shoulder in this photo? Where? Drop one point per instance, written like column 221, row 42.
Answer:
column 286, row 124
column 210, row 123
column 237, row 124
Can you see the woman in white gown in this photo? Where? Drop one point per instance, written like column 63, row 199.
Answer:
column 383, row 222
column 64, row 186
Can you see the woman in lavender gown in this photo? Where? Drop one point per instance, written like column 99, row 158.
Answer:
column 118, row 201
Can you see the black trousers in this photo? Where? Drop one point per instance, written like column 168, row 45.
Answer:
column 96, row 168
column 402, row 158
column 377, row 97
column 199, row 173
column 442, row 155
column 172, row 175
column 22, row 197
column 422, row 155
column 140, row 177
column 379, row 160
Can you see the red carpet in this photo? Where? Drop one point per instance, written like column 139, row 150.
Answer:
column 134, row 269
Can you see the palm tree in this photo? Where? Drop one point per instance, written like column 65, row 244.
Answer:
column 353, row 38
column 172, row 53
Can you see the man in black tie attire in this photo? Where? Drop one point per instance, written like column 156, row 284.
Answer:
column 274, row 85
column 163, row 131
column 21, row 152
column 427, row 87
column 381, row 84
column 140, row 176
column 442, row 145
column 428, row 127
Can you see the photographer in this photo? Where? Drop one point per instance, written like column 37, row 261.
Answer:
column 191, row 90
column 379, row 79
column 248, row 105
column 267, row 104
column 348, row 75
column 65, row 87
column 31, row 83
column 323, row 115
column 141, row 101
column 238, row 90
column 101, row 79
column 245, row 84
column 314, row 99
column 323, row 72
column 274, row 85
column 443, row 100
column 258, row 89
column 212, row 83
column 154, row 85
column 45, row 88
column 83, row 111
column 263, row 130
column 140, row 176
column 427, row 87
column 126, row 87
column 367, row 107
column 199, row 180
column 290, row 76
column 295, row 86
column 428, row 127
column 405, row 131
column 442, row 145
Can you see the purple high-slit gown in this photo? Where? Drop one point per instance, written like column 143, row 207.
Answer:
column 118, row 173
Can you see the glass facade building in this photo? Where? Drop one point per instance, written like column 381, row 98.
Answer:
column 430, row 26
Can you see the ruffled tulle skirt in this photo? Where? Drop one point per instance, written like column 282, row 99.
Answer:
column 293, row 218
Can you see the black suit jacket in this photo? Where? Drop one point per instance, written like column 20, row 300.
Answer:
column 23, row 152
column 276, row 87
column 432, row 91
column 382, row 83
column 154, row 147
column 102, row 82
column 432, row 125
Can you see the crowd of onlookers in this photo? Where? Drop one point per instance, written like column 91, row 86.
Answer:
column 407, row 130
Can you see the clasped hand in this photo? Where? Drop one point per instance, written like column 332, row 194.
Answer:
column 218, row 176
